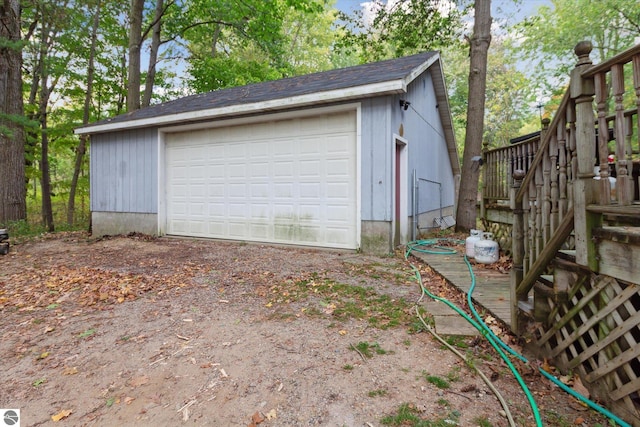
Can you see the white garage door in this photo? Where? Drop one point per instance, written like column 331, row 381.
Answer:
column 288, row 181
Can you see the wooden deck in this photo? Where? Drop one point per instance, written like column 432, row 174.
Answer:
column 492, row 287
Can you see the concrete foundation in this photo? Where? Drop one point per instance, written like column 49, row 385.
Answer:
column 114, row 223
column 376, row 237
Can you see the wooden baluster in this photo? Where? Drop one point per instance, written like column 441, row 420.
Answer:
column 623, row 180
column 533, row 214
column 503, row 174
column 562, row 167
column 603, row 187
column 517, row 252
column 582, row 90
column 553, row 157
column 531, row 153
column 546, row 196
column 494, row 174
column 628, row 141
column 572, row 171
column 487, row 175
column 526, row 221
column 539, row 202
column 636, row 85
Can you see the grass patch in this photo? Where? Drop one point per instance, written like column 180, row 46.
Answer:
column 482, row 422
column 367, row 349
column 377, row 393
column 408, row 415
column 87, row 333
column 437, row 381
column 343, row 301
column 348, row 367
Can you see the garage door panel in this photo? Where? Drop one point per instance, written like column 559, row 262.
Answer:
column 291, row 181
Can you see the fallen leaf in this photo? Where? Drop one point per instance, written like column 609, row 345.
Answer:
column 271, row 415
column 579, row 421
column 579, row 388
column 257, row 418
column 43, row 355
column 138, row 381
column 62, row 414
column 128, row 400
column 70, row 371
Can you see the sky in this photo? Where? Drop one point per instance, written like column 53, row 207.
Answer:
column 500, row 9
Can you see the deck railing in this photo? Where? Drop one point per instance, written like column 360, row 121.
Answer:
column 500, row 163
column 580, row 184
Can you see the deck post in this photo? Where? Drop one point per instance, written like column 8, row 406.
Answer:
column 517, row 253
column 582, row 91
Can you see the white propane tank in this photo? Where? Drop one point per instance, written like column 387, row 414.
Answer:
column 486, row 249
column 470, row 243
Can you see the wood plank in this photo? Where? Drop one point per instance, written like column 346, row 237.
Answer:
column 491, row 292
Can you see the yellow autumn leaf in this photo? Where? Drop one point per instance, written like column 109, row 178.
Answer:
column 269, row 304
column 43, row 355
column 62, row 414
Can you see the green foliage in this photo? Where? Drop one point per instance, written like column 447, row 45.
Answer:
column 548, row 38
column 395, row 29
column 254, row 41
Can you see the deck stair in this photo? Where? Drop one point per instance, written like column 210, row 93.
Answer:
column 574, row 222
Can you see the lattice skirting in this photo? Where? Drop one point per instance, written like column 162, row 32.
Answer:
column 501, row 234
column 595, row 331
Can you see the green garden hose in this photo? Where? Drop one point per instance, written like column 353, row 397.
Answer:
column 494, row 340
column 478, row 326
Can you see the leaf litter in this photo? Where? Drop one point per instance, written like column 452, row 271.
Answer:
column 135, row 330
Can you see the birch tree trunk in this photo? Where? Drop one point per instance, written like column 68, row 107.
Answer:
column 479, row 47
column 13, row 205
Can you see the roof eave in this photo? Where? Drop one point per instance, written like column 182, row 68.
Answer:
column 338, row 95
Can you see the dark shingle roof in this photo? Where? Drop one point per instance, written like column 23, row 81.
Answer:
column 344, row 78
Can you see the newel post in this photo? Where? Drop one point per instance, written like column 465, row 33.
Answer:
column 582, row 91
column 517, row 251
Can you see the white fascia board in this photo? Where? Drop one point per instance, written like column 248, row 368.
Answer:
column 376, row 89
column 421, row 69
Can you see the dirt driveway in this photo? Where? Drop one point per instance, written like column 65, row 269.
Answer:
column 136, row 331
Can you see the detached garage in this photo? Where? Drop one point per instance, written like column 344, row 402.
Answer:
column 356, row 158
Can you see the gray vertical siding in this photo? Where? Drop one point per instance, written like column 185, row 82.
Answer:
column 428, row 154
column 124, row 171
column 376, row 151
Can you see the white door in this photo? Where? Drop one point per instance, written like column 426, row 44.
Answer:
column 288, row 181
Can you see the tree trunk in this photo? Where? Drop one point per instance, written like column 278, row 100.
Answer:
column 468, row 196
column 13, row 205
column 82, row 144
column 153, row 54
column 45, row 177
column 135, row 43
